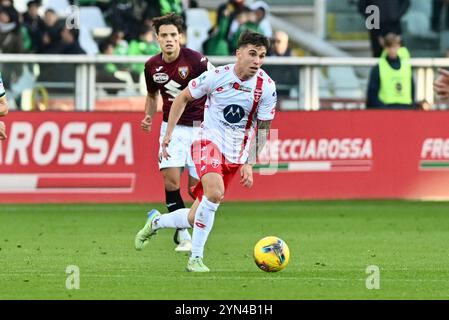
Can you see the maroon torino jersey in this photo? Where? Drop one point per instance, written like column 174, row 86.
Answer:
column 171, row 78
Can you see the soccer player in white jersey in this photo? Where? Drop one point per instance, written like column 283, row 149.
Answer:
column 3, row 109
column 241, row 99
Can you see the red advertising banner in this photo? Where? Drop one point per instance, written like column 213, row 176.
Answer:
column 105, row 157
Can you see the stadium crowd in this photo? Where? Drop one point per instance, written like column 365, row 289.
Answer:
column 40, row 30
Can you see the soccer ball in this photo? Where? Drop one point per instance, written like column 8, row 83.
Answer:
column 271, row 254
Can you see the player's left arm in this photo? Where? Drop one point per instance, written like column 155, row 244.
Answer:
column 265, row 115
column 246, row 172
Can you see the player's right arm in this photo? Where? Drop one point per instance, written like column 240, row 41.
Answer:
column 177, row 108
column 151, row 99
column 196, row 89
column 150, row 109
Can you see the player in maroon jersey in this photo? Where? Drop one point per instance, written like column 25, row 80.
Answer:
column 167, row 74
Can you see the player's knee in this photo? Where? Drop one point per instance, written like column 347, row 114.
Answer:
column 171, row 184
column 215, row 196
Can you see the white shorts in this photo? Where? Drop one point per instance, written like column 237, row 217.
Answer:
column 179, row 148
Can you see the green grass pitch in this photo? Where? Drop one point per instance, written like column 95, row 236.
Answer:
column 331, row 243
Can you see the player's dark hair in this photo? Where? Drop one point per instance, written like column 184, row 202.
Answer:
column 254, row 38
column 168, row 19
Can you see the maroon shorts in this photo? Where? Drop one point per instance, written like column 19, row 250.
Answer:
column 208, row 158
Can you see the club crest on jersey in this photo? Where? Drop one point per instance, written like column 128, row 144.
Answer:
column 233, row 113
column 160, row 77
column 183, row 72
column 257, row 94
column 215, row 163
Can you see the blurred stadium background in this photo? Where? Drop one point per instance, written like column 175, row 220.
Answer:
column 74, row 138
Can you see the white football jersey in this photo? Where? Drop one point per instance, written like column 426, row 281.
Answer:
column 232, row 108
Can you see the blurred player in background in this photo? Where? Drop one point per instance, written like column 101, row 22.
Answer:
column 241, row 99
column 168, row 73
column 3, row 109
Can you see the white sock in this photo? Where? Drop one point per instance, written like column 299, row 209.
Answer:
column 204, row 220
column 183, row 234
column 177, row 219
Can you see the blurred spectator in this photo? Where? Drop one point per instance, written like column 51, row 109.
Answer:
column 437, row 11
column 51, row 35
column 34, row 24
column 123, row 15
column 217, row 43
column 391, row 12
column 391, row 84
column 145, row 45
column 229, row 11
column 70, row 41
column 169, row 6
column 279, row 45
column 106, row 73
column 247, row 21
column 262, row 10
column 11, row 41
column 286, row 77
column 120, row 44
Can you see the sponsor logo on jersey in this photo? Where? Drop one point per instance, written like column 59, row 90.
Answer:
column 233, row 113
column 220, row 89
column 160, row 77
column 193, row 84
column 238, row 86
column 183, row 72
column 203, row 59
column 173, row 89
column 159, row 68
